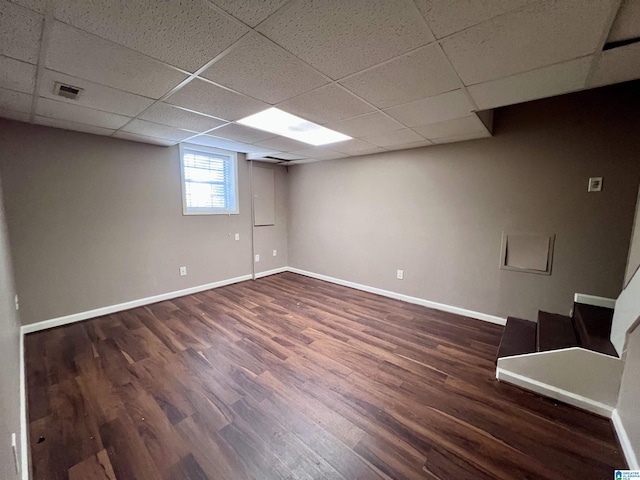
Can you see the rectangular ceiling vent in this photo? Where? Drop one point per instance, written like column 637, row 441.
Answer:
column 67, row 91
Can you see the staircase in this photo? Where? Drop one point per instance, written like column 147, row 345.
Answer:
column 589, row 327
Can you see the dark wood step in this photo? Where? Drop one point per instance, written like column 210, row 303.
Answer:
column 593, row 326
column 554, row 332
column 518, row 337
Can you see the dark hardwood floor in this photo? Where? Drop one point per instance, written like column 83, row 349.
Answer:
column 289, row 377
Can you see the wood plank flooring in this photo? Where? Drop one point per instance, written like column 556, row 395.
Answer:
column 289, row 377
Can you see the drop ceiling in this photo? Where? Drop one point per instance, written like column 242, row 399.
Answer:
column 392, row 74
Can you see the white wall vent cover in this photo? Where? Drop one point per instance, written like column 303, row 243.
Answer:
column 67, row 91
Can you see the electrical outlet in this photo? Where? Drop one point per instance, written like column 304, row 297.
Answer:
column 14, row 448
column 257, row 258
column 275, row 253
column 183, row 271
column 237, row 236
column 17, row 302
column 400, row 274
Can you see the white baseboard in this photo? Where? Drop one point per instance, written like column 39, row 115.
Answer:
column 266, row 273
column 405, row 298
column 594, row 300
column 625, row 443
column 555, row 393
column 77, row 317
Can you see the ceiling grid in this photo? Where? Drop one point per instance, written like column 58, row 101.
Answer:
column 392, row 74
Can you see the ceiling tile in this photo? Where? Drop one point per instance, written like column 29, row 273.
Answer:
column 617, row 65
column 20, row 31
column 74, row 113
column 318, row 152
column 450, row 128
column 251, row 12
column 340, row 38
column 66, row 125
column 177, row 117
column 261, row 69
column 17, row 75
column 40, row 6
column 240, row 133
column 144, row 139
column 537, row 35
column 367, row 124
column 462, row 138
column 211, row 141
column 433, row 109
column 423, row 73
column 13, row 115
column 282, row 144
column 12, row 100
column 353, row 146
column 627, row 22
column 398, row 137
column 86, row 56
column 150, row 129
column 205, row 97
column 326, row 104
column 449, row 16
column 95, row 95
column 523, row 87
column 408, row 146
column 186, row 34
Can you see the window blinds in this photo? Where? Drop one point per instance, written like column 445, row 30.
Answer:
column 209, row 182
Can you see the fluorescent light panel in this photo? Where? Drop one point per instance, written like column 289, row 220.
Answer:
column 276, row 121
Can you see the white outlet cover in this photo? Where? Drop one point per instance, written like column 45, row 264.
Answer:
column 275, row 253
column 400, row 274
column 237, row 236
column 595, row 184
column 257, row 258
column 183, row 271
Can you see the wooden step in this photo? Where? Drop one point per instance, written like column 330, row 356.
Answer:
column 518, row 337
column 593, row 326
column 554, row 332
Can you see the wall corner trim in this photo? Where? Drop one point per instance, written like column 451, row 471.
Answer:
column 405, row 298
column 266, row 273
column 24, row 430
column 625, row 443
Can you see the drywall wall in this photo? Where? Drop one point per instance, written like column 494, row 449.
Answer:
column 539, row 372
column 628, row 405
column 439, row 212
column 9, row 360
column 96, row 221
column 273, row 237
column 633, row 261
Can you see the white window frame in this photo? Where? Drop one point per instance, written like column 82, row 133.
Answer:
column 209, row 150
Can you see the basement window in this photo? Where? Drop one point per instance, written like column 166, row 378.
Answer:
column 209, row 180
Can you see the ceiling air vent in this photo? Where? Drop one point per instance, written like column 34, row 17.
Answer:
column 67, row 91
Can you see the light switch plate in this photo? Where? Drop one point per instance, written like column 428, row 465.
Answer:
column 595, row 184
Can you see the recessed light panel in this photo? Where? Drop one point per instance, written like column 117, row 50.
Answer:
column 282, row 123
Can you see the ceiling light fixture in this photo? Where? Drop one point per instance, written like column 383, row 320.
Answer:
column 276, row 121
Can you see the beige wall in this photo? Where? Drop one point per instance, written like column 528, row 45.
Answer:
column 438, row 213
column 9, row 359
column 95, row 221
column 634, row 250
column 627, row 314
column 628, row 405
